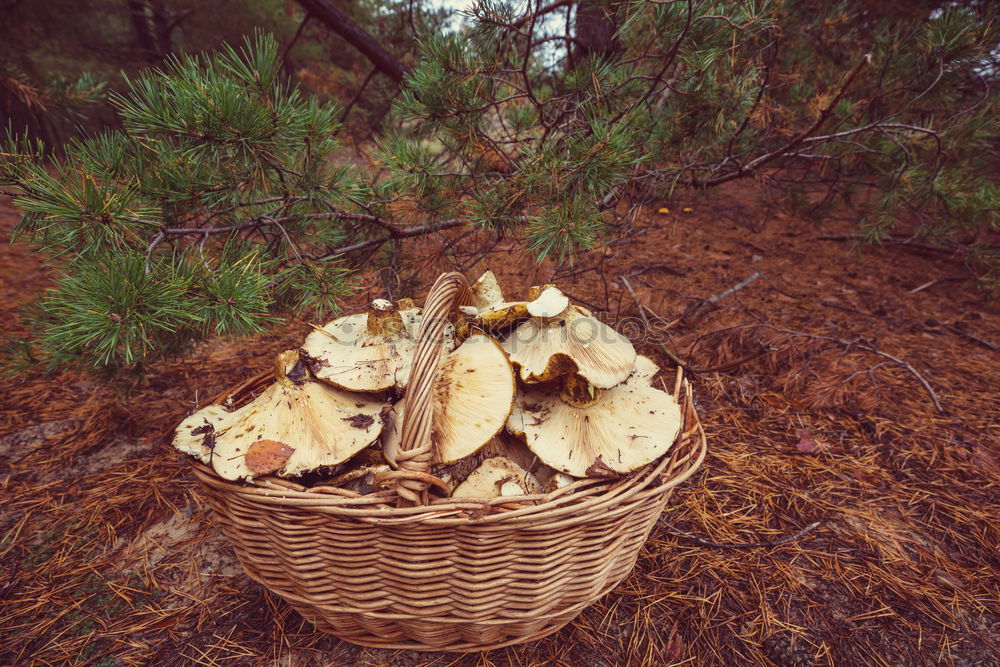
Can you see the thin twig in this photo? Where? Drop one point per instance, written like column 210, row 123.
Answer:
column 864, row 345
column 642, row 313
column 740, row 545
column 718, row 297
column 295, row 38
column 357, row 95
column 399, row 234
column 975, row 339
column 593, row 306
column 662, row 266
column 157, row 239
column 798, row 139
column 539, row 11
column 932, row 283
column 668, row 61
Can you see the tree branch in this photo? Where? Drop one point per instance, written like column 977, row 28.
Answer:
column 798, row 139
column 541, row 11
column 398, row 234
column 343, row 25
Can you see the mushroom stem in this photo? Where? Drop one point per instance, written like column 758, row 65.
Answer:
column 384, row 319
column 577, row 391
column 289, row 370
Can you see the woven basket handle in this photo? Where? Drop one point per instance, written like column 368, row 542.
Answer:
column 416, row 449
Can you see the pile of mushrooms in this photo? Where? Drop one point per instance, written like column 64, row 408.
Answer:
column 529, row 397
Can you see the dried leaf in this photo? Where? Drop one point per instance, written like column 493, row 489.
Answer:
column 266, row 456
column 675, row 648
column 806, row 441
column 984, row 457
column 360, row 420
column 601, row 469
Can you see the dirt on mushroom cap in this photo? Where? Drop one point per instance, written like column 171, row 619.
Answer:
column 367, row 352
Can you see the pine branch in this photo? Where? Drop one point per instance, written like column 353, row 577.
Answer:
column 411, row 232
column 801, row 137
column 539, row 12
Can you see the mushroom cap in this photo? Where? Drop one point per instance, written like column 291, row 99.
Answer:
column 625, row 428
column 545, row 348
column 321, row 425
column 499, row 314
column 368, row 352
column 550, row 302
column 557, row 481
column 498, row 476
column 473, row 395
column 502, row 444
column 190, row 434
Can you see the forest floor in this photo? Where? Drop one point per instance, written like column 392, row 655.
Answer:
column 816, row 383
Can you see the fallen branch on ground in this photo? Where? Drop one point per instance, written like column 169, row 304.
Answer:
column 740, row 545
column 642, row 313
column 715, row 299
column 859, row 343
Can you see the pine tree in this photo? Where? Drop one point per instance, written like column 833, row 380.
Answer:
column 219, row 207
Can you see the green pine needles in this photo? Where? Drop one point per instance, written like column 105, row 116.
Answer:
column 216, row 208
column 224, row 202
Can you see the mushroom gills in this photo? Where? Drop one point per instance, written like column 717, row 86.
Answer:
column 572, row 341
column 320, row 425
column 625, row 428
column 472, row 399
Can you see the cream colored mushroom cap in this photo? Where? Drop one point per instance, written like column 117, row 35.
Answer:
column 473, row 395
column 547, row 348
column 625, row 428
column 324, row 426
column 498, row 476
column 209, row 419
column 345, row 354
column 551, row 302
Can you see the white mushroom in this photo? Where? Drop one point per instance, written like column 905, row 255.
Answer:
column 569, row 341
column 610, row 432
column 310, row 424
column 550, row 302
column 486, row 292
column 368, row 352
column 558, row 481
column 491, row 313
column 472, row 399
column 495, row 477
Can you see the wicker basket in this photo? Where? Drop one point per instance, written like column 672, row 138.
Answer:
column 402, row 569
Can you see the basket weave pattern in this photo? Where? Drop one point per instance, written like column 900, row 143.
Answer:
column 448, row 574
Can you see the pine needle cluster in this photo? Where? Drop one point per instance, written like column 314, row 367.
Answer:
column 223, row 203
